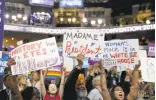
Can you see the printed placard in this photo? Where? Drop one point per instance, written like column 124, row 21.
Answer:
column 148, row 69
column 120, row 52
column 35, row 55
column 151, row 49
column 83, row 41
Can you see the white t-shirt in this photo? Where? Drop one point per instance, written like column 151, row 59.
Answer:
column 36, row 85
column 95, row 95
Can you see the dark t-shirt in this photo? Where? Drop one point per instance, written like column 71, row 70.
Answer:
column 3, row 95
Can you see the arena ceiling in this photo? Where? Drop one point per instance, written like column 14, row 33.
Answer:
column 118, row 6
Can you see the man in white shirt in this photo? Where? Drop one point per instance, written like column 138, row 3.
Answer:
column 96, row 93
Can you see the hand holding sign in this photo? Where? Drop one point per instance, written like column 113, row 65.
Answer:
column 137, row 66
column 148, row 69
column 80, row 58
column 11, row 62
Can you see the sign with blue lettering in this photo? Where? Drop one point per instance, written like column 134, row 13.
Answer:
column 71, row 4
column 3, row 62
column 2, row 10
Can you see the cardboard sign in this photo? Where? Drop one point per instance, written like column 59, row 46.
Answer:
column 120, row 52
column 84, row 41
column 35, row 56
column 148, row 69
column 151, row 49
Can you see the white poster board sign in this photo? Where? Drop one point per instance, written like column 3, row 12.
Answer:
column 84, row 41
column 142, row 54
column 120, row 52
column 148, row 69
column 35, row 55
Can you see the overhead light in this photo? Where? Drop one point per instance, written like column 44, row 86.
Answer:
column 12, row 38
column 84, row 20
column 6, row 40
column 74, row 19
column 148, row 21
column 13, row 17
column 38, row 13
column 25, row 18
column 99, row 21
column 61, row 19
column 19, row 16
column 93, row 22
column 69, row 19
column 7, row 16
column 43, row 13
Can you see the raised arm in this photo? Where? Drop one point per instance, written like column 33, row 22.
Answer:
column 89, row 78
column 69, row 86
column 45, row 73
column 105, row 92
column 135, row 83
column 16, row 95
column 61, row 90
column 43, row 89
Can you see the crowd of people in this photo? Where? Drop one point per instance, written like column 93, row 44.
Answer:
column 98, row 83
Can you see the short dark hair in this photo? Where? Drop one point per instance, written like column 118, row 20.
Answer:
column 29, row 92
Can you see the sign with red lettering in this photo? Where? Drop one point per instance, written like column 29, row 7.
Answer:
column 120, row 52
column 148, row 69
column 83, row 41
column 35, row 56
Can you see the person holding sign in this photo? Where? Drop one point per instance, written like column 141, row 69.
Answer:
column 52, row 92
column 11, row 92
column 117, row 92
column 75, row 88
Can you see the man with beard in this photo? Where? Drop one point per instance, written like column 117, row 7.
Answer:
column 75, row 86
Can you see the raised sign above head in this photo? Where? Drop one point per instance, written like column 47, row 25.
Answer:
column 83, row 41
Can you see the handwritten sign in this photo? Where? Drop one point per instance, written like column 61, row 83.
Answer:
column 83, row 41
column 151, row 49
column 35, row 55
column 142, row 54
column 148, row 69
column 120, row 52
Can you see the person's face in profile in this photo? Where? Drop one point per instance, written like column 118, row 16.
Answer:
column 23, row 81
column 8, row 82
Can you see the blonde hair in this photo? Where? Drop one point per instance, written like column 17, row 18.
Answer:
column 95, row 80
column 20, row 77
